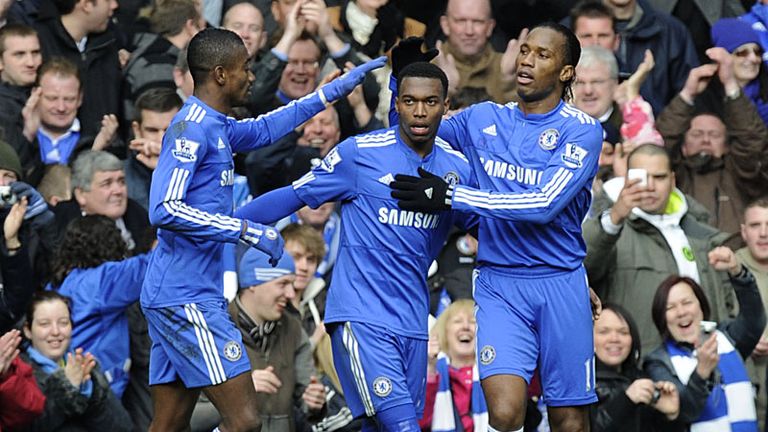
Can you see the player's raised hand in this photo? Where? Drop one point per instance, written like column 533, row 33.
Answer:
column 264, row 238
column 427, row 193
column 343, row 85
column 409, row 51
column 314, row 394
column 265, row 380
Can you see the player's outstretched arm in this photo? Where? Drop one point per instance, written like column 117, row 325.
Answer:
column 569, row 170
column 257, row 132
column 272, row 206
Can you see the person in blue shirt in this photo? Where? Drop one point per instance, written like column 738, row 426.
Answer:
column 534, row 161
column 196, row 347
column 378, row 301
column 91, row 268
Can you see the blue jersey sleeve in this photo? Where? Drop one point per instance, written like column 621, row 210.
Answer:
column 568, row 171
column 183, row 152
column 122, row 282
column 250, row 134
column 335, row 179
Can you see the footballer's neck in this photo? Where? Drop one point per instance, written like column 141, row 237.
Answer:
column 214, row 98
column 422, row 148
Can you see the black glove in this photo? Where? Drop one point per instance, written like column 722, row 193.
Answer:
column 409, row 51
column 428, row 193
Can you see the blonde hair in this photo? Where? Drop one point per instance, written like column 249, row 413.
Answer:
column 462, row 305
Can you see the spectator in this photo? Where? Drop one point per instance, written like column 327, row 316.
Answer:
column 154, row 110
column 79, row 31
column 650, row 232
column 327, row 221
column 20, row 398
column 173, row 24
column 246, row 20
column 716, row 161
column 594, row 25
column 742, row 46
column 628, row 400
column 373, row 26
column 56, row 185
column 28, row 232
column 699, row 16
column 455, row 264
column 453, row 382
column 77, row 395
column 19, row 61
column 597, row 77
column 307, row 247
column 468, row 55
column 758, row 18
column 629, row 28
column 754, row 256
column 51, row 122
column 312, row 17
column 182, row 77
column 292, row 156
column 279, row 350
column 707, row 368
column 91, row 268
column 98, row 184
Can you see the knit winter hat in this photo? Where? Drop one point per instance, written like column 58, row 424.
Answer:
column 255, row 269
column 9, row 160
column 731, row 33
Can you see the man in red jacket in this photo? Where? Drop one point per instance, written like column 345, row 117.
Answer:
column 20, row 398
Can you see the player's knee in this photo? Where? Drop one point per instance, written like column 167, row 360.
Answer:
column 572, row 423
column 246, row 422
column 506, row 415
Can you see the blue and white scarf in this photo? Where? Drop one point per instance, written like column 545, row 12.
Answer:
column 730, row 406
column 442, row 416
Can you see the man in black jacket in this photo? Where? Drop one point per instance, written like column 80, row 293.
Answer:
column 78, row 30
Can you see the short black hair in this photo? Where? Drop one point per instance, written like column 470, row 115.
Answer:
column 424, row 70
column 591, row 9
column 210, row 48
column 571, row 55
column 650, row 150
column 159, row 99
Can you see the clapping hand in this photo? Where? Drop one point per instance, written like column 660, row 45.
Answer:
column 79, row 366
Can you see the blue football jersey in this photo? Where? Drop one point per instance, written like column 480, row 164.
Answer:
column 385, row 253
column 535, row 173
column 190, row 198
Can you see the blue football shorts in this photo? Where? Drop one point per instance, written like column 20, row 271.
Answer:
column 195, row 342
column 533, row 317
column 379, row 369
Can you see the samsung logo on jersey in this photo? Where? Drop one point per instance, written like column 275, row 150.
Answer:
column 227, row 177
column 408, row 218
column 511, row 172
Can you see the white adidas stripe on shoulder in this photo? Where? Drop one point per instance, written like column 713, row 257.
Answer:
column 443, row 144
column 584, row 118
column 376, row 140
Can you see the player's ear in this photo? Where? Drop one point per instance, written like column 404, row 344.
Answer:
column 567, row 73
column 397, row 104
column 446, row 105
column 220, row 74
